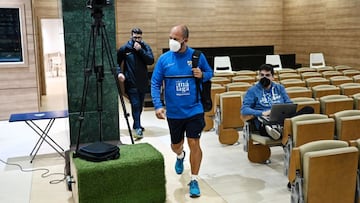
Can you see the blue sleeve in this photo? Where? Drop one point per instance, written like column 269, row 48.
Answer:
column 205, row 68
column 156, row 83
column 249, row 103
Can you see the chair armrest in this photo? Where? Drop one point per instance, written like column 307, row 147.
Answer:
column 294, row 164
column 287, row 131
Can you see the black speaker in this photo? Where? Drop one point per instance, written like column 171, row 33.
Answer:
column 98, row 151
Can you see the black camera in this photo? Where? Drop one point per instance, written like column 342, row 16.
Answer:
column 97, row 3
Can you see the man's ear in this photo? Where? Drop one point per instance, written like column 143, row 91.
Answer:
column 186, row 40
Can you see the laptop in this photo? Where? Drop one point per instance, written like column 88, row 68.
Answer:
column 279, row 112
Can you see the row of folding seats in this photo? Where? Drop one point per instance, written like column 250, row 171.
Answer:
column 325, row 171
column 302, row 129
column 308, row 79
column 318, row 91
column 342, row 125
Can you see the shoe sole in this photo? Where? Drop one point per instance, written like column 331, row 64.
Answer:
column 272, row 133
column 194, row 196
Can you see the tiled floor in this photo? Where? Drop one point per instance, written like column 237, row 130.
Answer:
column 226, row 174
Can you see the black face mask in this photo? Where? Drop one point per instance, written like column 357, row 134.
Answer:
column 265, row 82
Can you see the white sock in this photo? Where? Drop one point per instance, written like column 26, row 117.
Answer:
column 181, row 155
column 194, row 177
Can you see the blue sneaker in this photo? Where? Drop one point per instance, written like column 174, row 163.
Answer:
column 194, row 189
column 139, row 134
column 179, row 165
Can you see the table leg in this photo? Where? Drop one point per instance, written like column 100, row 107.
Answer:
column 43, row 135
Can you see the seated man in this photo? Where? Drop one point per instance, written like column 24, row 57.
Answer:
column 260, row 97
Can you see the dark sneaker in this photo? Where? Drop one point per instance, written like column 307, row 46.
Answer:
column 288, row 186
column 179, row 165
column 138, row 135
column 142, row 128
column 194, row 189
column 274, row 133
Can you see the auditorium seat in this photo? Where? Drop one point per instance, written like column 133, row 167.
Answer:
column 220, row 80
column 238, row 86
column 323, row 69
column 305, row 69
column 256, row 146
column 331, row 73
column 245, row 72
column 323, row 90
column 210, row 116
column 285, row 70
column 244, row 78
column 230, row 118
column 347, row 125
column 356, row 78
column 356, row 98
column 228, row 75
column 350, row 88
column 303, row 129
column 342, row 67
column 298, row 92
column 338, row 80
column 292, row 82
column 324, row 171
column 284, row 76
column 306, row 75
column 331, row 104
column 306, row 101
column 313, row 81
column 351, row 72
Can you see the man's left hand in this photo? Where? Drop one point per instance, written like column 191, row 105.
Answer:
column 197, row 72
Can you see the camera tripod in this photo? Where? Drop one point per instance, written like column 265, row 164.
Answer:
column 98, row 30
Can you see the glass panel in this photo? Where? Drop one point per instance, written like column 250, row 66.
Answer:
column 10, row 38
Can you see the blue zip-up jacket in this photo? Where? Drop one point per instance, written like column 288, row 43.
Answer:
column 181, row 97
column 135, row 65
column 257, row 99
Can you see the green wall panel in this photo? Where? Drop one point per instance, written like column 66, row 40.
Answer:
column 80, row 26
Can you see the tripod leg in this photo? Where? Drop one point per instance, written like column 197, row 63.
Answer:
column 113, row 70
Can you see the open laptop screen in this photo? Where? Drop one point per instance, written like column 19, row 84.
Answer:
column 281, row 111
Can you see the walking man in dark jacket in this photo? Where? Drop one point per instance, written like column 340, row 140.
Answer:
column 133, row 57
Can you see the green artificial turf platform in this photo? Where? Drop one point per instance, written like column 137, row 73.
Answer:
column 138, row 176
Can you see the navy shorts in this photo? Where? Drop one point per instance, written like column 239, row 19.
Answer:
column 193, row 127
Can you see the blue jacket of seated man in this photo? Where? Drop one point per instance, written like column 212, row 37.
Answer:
column 258, row 99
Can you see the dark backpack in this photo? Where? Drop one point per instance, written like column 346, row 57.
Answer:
column 205, row 91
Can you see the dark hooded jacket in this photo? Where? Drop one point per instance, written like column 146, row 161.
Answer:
column 135, row 65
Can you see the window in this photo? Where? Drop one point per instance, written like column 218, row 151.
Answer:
column 12, row 44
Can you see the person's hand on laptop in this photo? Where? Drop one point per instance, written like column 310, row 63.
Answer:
column 266, row 113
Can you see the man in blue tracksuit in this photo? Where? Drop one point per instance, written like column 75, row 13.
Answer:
column 184, row 111
column 135, row 55
column 260, row 97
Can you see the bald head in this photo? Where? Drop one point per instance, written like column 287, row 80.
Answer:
column 180, row 33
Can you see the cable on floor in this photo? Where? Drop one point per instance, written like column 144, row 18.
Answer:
column 45, row 174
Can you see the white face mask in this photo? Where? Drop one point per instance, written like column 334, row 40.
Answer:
column 174, row 45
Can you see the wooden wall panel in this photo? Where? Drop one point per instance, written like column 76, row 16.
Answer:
column 331, row 27
column 17, row 100
column 18, row 85
column 212, row 23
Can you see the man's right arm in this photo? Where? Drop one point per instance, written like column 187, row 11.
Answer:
column 156, row 83
column 247, row 105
